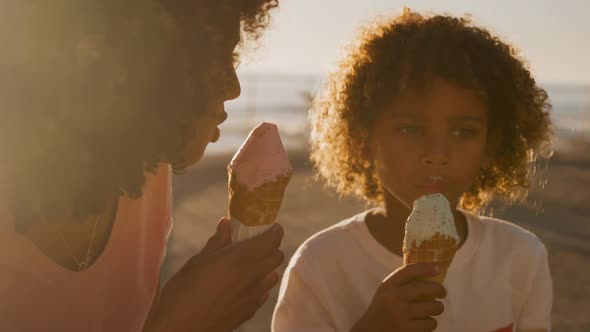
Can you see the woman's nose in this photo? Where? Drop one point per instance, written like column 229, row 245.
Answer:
column 232, row 89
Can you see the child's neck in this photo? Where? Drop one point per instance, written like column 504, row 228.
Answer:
column 387, row 224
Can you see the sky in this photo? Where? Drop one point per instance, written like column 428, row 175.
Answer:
column 308, row 36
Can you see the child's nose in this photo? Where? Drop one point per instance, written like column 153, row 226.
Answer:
column 436, row 154
column 436, row 162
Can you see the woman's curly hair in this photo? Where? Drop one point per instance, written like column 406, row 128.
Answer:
column 408, row 52
column 95, row 93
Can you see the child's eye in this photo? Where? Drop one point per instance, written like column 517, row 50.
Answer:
column 463, row 132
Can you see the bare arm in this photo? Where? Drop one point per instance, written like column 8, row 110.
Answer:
column 151, row 314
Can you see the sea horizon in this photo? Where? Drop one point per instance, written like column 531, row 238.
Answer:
column 283, row 99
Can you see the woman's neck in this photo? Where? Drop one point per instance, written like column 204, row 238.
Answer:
column 69, row 242
column 387, row 224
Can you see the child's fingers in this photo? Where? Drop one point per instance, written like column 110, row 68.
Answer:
column 420, row 310
column 412, row 272
column 422, row 289
column 426, row 324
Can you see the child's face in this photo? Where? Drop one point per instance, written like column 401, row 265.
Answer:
column 430, row 141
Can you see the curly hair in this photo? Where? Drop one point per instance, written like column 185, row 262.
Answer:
column 94, row 94
column 407, row 52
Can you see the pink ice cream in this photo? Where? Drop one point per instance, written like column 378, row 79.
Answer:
column 261, row 158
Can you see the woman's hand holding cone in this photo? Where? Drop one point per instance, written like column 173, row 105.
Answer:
column 223, row 286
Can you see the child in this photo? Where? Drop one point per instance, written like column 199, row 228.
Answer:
column 100, row 101
column 424, row 105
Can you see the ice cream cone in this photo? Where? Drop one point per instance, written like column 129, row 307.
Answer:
column 440, row 249
column 258, row 206
column 430, row 234
column 258, row 175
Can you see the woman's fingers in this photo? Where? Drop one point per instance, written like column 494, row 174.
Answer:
column 259, row 246
column 262, row 276
column 253, row 298
column 268, row 282
column 270, row 263
column 241, row 312
column 220, row 239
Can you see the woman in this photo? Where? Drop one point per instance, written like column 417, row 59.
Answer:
column 100, row 102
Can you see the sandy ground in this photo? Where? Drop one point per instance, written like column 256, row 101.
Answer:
column 559, row 214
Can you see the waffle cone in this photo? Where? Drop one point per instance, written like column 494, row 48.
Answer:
column 440, row 249
column 258, row 206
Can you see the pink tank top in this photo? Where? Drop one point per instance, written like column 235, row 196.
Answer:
column 114, row 294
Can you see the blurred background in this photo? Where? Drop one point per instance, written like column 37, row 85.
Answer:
column 304, row 42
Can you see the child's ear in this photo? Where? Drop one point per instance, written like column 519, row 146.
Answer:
column 366, row 153
column 492, row 146
column 486, row 162
column 368, row 149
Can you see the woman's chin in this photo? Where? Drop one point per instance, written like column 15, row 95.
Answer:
column 198, row 146
column 195, row 156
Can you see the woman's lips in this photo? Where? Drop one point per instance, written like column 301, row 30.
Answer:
column 216, row 135
column 221, row 117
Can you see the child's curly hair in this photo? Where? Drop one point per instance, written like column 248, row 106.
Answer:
column 95, row 93
column 406, row 52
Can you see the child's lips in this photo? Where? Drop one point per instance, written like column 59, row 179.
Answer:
column 427, row 190
column 432, row 186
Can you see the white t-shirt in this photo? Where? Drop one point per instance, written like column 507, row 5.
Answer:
column 499, row 280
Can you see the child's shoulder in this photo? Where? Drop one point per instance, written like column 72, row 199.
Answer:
column 502, row 232
column 329, row 241
column 343, row 231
